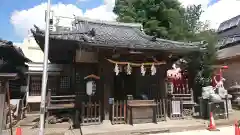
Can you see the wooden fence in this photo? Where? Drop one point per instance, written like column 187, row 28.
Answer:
column 119, row 112
column 91, row 113
column 172, row 108
column 161, row 110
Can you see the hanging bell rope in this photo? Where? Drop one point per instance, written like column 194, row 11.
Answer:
column 137, row 64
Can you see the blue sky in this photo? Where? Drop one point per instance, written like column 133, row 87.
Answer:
column 211, row 2
column 7, row 7
column 8, row 30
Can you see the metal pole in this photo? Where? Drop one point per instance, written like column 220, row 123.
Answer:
column 45, row 75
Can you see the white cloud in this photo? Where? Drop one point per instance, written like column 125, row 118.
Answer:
column 218, row 12
column 221, row 11
column 191, row 2
column 23, row 20
column 103, row 12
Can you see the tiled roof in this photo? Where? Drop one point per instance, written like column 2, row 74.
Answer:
column 230, row 23
column 112, row 34
column 228, row 33
column 9, row 51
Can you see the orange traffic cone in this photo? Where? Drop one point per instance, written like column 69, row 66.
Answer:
column 236, row 128
column 18, row 131
column 212, row 126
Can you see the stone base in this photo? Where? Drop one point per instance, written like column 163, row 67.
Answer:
column 106, row 122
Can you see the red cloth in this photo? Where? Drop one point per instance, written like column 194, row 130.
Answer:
column 216, row 77
column 178, row 79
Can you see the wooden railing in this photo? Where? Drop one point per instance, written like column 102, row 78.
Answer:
column 91, row 113
column 119, row 112
column 60, row 102
column 161, row 110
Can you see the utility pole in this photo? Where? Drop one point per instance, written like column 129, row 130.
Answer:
column 45, row 72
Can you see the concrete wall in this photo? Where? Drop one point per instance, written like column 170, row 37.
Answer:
column 31, row 50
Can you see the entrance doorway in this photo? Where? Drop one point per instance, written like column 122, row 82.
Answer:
column 140, row 87
column 124, row 85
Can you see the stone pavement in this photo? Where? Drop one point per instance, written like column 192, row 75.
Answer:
column 161, row 127
column 139, row 129
column 48, row 131
column 125, row 129
column 223, row 131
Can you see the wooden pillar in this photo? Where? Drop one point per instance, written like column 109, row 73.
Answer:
column 162, row 71
column 2, row 106
column 166, row 67
column 76, row 121
column 73, row 71
column 106, row 82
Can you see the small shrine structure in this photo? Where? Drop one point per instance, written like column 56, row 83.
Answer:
column 131, row 66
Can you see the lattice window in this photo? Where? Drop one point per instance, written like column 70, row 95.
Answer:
column 35, row 86
column 65, row 82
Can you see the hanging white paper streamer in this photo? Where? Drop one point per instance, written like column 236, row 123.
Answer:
column 116, row 69
column 129, row 69
column 153, row 70
column 143, row 70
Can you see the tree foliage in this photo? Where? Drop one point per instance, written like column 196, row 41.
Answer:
column 200, row 64
column 161, row 18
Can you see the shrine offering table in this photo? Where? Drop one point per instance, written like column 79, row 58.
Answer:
column 141, row 111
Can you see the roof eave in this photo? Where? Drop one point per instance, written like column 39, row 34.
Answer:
column 180, row 46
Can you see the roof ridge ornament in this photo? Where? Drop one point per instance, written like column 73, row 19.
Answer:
column 154, row 38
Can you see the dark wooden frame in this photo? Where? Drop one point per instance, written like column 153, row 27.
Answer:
column 4, row 80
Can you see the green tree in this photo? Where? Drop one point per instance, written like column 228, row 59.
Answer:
column 200, row 64
column 209, row 56
column 161, row 18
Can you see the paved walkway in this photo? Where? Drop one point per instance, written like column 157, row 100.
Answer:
column 223, row 131
column 125, row 129
column 229, row 130
column 48, row 131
